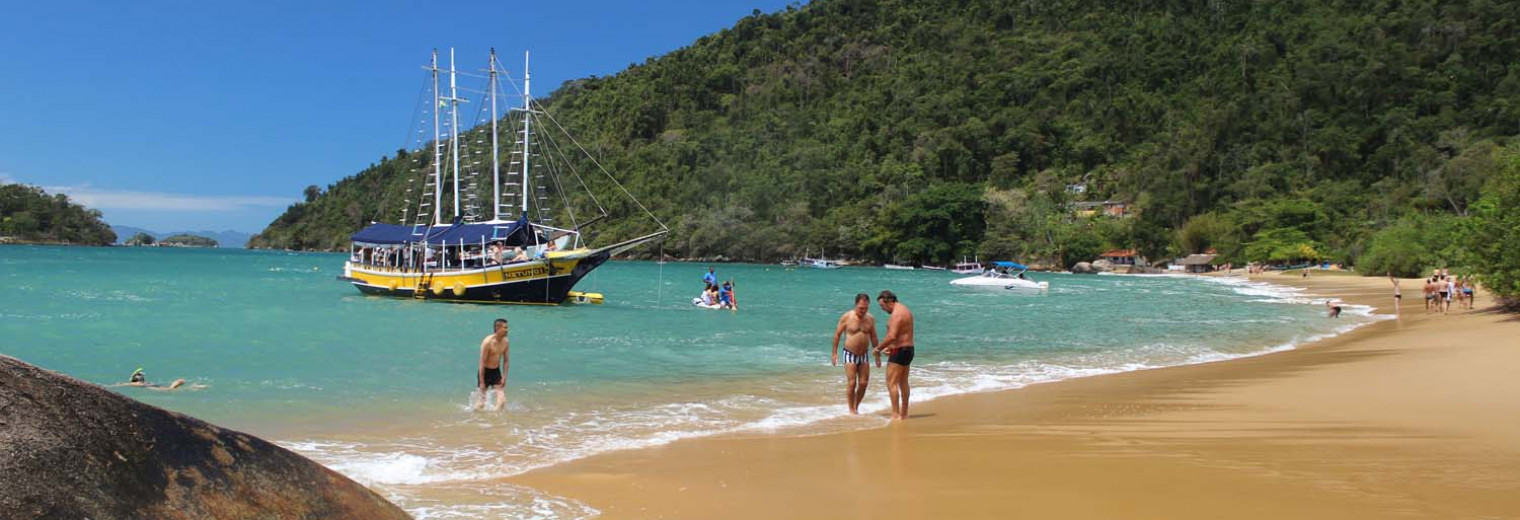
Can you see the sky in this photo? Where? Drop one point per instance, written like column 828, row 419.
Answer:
column 201, row 115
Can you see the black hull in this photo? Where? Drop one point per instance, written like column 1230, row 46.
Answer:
column 542, row 291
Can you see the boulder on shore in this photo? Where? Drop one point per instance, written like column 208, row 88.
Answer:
column 1103, row 266
column 1083, row 268
column 71, row 449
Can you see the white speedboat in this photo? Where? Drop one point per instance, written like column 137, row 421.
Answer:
column 896, row 267
column 1002, row 276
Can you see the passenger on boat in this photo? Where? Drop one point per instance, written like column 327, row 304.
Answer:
column 519, row 255
column 726, row 296
column 543, row 252
column 710, row 294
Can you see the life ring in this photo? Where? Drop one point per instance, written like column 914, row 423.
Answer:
column 458, row 290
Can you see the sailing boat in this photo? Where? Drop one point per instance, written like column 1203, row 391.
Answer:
column 509, row 258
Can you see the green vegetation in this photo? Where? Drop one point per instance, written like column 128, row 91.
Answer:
column 926, row 130
column 1495, row 231
column 28, row 214
column 186, row 240
column 140, row 239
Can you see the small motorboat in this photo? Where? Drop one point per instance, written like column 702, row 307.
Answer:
column 1002, row 276
column 896, row 267
column 972, row 267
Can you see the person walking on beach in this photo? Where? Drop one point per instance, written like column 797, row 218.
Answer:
column 1430, row 292
column 899, row 348
column 859, row 330
column 1398, row 296
column 494, row 360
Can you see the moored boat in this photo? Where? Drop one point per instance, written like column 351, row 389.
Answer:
column 964, row 267
column 501, row 260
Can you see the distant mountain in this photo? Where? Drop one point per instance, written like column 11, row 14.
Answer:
column 228, row 238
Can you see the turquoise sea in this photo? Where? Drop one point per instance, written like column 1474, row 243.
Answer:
column 377, row 388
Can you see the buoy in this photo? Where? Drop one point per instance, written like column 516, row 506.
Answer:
column 438, row 289
column 394, row 285
column 458, row 290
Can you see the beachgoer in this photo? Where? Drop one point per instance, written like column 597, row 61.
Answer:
column 860, row 328
column 1430, row 292
column 1335, row 310
column 726, row 295
column 899, row 348
column 1451, row 291
column 1398, row 295
column 710, row 278
column 140, row 379
column 1467, row 291
column 494, row 361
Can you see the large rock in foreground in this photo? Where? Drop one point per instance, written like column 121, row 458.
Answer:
column 71, row 449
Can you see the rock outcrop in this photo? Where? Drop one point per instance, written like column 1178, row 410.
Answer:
column 1083, row 268
column 1103, row 266
column 71, row 449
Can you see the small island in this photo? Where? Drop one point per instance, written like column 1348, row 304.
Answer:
column 186, row 240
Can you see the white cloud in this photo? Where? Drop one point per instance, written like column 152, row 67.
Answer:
column 103, row 199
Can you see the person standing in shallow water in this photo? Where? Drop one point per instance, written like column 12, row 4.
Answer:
column 494, row 360
column 899, row 348
column 861, row 329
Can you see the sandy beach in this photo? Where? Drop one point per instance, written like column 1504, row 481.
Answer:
column 1406, row 418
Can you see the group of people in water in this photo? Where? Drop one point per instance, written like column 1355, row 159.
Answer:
column 469, row 256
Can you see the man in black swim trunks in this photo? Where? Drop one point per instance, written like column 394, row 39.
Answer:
column 899, row 348
column 494, row 361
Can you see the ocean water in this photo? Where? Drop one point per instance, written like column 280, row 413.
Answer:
column 378, row 388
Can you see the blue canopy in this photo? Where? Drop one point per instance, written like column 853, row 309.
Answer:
column 512, row 233
column 1013, row 265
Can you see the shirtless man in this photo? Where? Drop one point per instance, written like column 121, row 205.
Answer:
column 1430, row 292
column 861, row 327
column 899, row 348
column 494, row 361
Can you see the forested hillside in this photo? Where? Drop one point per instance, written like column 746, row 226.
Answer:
column 28, row 214
column 921, row 131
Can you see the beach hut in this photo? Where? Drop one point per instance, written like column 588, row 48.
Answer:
column 1199, row 263
column 1119, row 256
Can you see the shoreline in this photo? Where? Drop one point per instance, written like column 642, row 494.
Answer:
column 1248, row 423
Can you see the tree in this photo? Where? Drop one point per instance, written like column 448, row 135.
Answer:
column 312, row 192
column 1494, row 231
column 140, row 239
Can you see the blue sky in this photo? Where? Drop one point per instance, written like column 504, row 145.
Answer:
column 214, row 115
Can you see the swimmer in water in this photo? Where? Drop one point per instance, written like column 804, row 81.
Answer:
column 140, row 379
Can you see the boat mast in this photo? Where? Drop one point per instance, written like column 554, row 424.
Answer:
column 527, row 120
column 454, row 127
column 495, row 158
column 437, row 147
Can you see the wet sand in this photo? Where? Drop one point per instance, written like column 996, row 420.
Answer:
column 1408, row 418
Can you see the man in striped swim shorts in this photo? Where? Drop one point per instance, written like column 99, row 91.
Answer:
column 860, row 328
